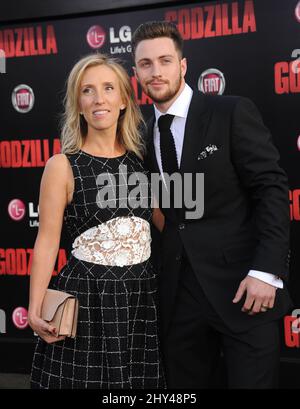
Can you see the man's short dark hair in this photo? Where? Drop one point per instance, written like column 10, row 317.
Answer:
column 157, row 29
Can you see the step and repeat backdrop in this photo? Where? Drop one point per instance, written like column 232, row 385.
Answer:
column 246, row 47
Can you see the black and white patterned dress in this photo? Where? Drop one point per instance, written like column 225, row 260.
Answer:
column 116, row 345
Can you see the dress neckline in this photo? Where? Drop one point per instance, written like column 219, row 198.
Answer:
column 103, row 157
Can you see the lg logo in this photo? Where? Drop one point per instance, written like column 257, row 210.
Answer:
column 124, row 35
column 16, row 209
column 19, row 318
column 96, row 37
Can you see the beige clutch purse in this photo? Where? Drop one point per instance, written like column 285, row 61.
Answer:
column 60, row 309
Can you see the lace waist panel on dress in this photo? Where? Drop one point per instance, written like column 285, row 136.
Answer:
column 119, row 242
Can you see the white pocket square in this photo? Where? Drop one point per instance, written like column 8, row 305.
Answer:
column 209, row 150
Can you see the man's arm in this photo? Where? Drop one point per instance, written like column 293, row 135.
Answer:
column 256, row 160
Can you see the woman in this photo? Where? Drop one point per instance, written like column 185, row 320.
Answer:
column 109, row 270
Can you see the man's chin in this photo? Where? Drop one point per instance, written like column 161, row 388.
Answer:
column 159, row 99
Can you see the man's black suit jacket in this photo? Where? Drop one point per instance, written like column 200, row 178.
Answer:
column 245, row 224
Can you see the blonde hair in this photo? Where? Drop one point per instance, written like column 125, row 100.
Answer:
column 74, row 126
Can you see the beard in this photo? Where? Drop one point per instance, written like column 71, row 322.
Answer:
column 167, row 95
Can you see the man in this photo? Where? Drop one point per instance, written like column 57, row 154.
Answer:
column 219, row 272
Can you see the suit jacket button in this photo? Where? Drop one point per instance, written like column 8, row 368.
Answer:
column 181, row 226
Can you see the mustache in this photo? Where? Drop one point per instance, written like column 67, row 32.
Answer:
column 157, row 80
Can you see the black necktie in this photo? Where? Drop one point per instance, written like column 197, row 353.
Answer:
column 167, row 145
column 168, row 154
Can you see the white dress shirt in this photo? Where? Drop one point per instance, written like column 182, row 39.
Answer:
column 179, row 109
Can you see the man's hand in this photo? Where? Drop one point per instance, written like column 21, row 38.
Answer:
column 260, row 295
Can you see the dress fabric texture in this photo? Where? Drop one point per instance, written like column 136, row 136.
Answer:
column 117, row 343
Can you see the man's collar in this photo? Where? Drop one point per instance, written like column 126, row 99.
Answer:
column 180, row 106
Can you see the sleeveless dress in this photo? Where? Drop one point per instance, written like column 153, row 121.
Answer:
column 116, row 345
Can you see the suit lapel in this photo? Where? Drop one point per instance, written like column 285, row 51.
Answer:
column 195, row 130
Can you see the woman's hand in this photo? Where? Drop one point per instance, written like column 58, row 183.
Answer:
column 44, row 330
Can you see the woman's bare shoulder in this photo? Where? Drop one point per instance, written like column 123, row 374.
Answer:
column 57, row 163
column 57, row 167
